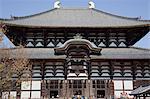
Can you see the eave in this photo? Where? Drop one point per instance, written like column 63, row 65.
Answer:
column 90, row 27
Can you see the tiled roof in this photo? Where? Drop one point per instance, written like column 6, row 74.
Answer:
column 141, row 90
column 124, row 53
column 76, row 18
column 106, row 53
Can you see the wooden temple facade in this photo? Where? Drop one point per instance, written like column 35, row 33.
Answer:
column 80, row 52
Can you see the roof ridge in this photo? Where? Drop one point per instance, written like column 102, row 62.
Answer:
column 74, row 8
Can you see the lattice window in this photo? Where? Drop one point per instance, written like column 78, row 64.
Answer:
column 31, row 89
column 98, row 84
column 123, row 88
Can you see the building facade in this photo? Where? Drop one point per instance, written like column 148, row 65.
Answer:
column 80, row 52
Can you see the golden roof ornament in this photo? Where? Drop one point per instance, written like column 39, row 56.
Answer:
column 78, row 36
column 57, row 4
column 91, row 4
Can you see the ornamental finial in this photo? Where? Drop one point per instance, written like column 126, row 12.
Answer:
column 78, row 36
column 57, row 4
column 91, row 4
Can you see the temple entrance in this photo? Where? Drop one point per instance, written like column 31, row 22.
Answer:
column 54, row 94
column 77, row 87
column 100, row 93
column 77, row 92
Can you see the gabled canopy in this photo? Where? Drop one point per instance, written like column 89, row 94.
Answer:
column 77, row 43
column 76, row 18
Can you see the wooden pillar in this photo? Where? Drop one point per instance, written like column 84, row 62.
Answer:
column 89, row 87
column 43, row 89
column 89, row 69
column 18, row 91
column 66, row 68
column 45, row 38
column 65, row 89
column 59, row 89
column 107, row 37
column 95, row 91
column 144, row 96
column 82, row 84
column 111, row 87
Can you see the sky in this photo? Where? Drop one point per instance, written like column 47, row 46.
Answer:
column 129, row 8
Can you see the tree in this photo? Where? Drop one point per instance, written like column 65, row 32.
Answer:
column 14, row 68
column 1, row 37
column 1, row 34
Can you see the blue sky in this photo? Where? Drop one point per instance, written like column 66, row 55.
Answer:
column 130, row 8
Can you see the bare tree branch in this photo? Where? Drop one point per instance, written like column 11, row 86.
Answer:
column 14, row 67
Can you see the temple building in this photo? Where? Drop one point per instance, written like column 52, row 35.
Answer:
column 80, row 52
